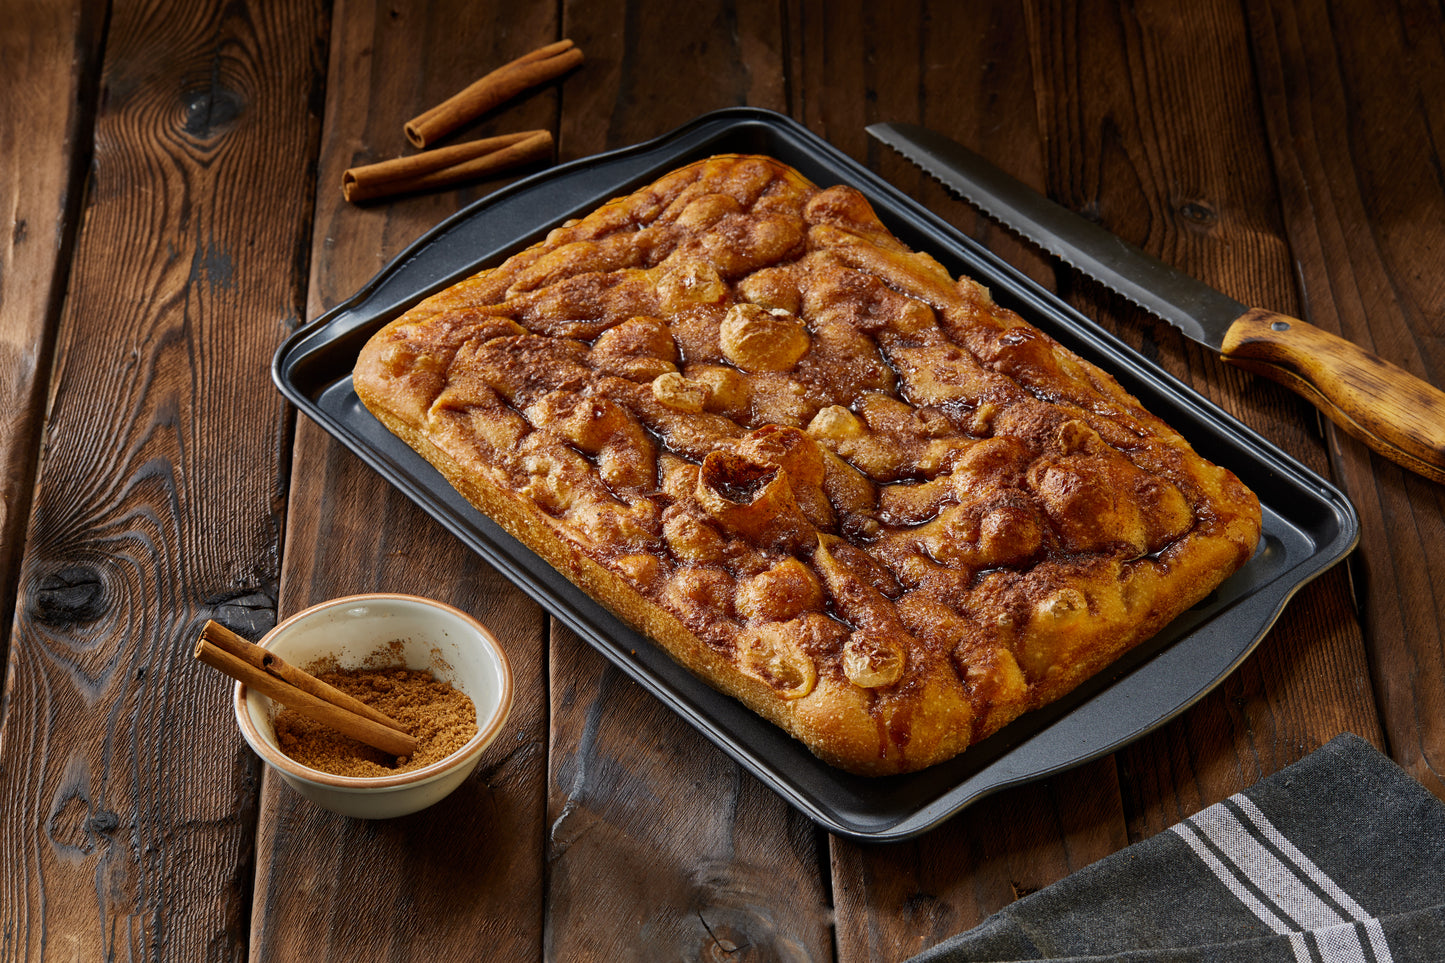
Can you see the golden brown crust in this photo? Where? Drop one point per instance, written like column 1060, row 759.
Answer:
column 832, row 481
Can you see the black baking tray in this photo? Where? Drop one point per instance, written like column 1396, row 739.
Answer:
column 1308, row 524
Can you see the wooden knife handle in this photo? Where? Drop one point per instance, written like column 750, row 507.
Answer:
column 1386, row 407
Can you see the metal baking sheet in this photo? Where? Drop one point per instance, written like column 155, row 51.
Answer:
column 1308, row 524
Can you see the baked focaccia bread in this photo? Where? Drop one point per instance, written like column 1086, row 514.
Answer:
column 833, row 481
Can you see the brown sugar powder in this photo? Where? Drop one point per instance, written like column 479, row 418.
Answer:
column 440, row 717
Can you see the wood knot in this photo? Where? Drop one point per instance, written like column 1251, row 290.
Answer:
column 1198, row 212
column 210, row 110
column 104, row 821
column 74, row 595
column 249, row 612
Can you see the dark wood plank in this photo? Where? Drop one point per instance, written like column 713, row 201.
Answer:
column 129, row 797
column 961, row 69
column 651, row 68
column 1170, row 151
column 462, row 879
column 896, row 900
column 1354, row 102
column 389, row 62
column 660, row 847
column 964, row 69
column 48, row 57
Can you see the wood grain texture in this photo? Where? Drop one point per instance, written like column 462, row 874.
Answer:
column 171, row 170
column 128, row 797
column 1130, row 124
column 651, row 68
column 659, row 846
column 48, row 53
column 1354, row 106
column 1395, row 413
column 965, row 70
column 896, row 900
column 1192, row 181
column 387, row 59
column 462, row 879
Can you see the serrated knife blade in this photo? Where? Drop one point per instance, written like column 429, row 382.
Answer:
column 1397, row 414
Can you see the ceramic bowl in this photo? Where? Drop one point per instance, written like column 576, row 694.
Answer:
column 455, row 646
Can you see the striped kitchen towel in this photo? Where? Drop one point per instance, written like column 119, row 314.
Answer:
column 1339, row 857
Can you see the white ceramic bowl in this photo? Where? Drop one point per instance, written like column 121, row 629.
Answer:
column 455, row 646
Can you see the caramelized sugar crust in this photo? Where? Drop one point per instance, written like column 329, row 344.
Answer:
column 833, row 481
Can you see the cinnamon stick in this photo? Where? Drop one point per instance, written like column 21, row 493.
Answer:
column 498, row 87
column 268, row 661
column 388, row 736
column 446, row 166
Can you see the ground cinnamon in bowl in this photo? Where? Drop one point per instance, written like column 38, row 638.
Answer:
column 373, row 645
column 441, row 718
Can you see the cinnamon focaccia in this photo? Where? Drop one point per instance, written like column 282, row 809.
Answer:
column 830, row 479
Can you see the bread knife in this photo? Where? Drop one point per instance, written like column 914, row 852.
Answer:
column 1397, row 414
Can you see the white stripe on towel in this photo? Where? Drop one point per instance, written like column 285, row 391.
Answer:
column 1280, row 882
column 1275, row 884
column 1265, row 828
column 1190, row 835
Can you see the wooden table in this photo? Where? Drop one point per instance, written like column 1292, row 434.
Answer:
column 171, row 174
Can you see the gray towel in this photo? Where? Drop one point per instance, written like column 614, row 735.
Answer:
column 1339, row 857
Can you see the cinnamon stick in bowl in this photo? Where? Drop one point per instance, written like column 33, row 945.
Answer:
column 249, row 664
column 496, row 88
column 409, row 634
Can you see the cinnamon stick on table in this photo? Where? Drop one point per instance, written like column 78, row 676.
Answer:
column 446, row 166
column 497, row 87
column 259, row 669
